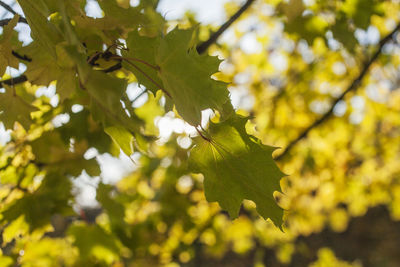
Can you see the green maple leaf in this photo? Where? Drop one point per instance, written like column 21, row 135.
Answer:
column 361, row 11
column 186, row 76
column 42, row 31
column 6, row 57
column 52, row 152
column 122, row 137
column 14, row 108
column 144, row 49
column 89, row 237
column 52, row 197
column 237, row 166
column 43, row 69
column 129, row 17
column 106, row 92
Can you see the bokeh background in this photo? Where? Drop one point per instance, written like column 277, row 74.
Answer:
column 288, row 63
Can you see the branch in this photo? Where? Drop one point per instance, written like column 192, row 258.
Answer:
column 22, row 57
column 201, row 48
column 13, row 81
column 353, row 86
column 4, row 22
column 11, row 10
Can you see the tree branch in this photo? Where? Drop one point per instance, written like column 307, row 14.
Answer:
column 4, row 22
column 11, row 10
column 13, row 81
column 353, row 86
column 201, row 48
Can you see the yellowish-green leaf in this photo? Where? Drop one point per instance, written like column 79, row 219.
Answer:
column 42, row 30
column 6, row 57
column 186, row 76
column 141, row 48
column 93, row 241
column 13, row 108
column 122, row 137
column 237, row 166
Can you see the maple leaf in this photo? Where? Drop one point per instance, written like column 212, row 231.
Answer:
column 13, row 108
column 42, row 31
column 43, row 69
column 186, row 76
column 6, row 56
column 142, row 48
column 237, row 166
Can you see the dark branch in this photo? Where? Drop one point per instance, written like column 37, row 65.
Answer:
column 22, row 57
column 4, row 22
column 353, row 86
column 13, row 81
column 22, row 78
column 7, row 7
column 113, row 68
column 201, row 48
column 11, row 10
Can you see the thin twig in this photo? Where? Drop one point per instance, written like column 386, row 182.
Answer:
column 353, row 86
column 137, row 60
column 138, row 96
column 202, row 135
column 201, row 48
column 11, row 10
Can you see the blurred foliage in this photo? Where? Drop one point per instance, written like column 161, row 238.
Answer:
column 285, row 61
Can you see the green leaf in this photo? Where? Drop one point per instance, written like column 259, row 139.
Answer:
column 149, row 111
column 66, row 83
column 13, row 108
column 129, row 17
column 237, row 166
column 186, row 76
column 16, row 228
column 6, row 56
column 292, row 9
column 144, row 49
column 51, row 151
column 52, row 197
column 308, row 27
column 93, row 241
column 361, row 11
column 82, row 127
column 43, row 69
column 42, row 30
column 106, row 92
column 122, row 137
column 343, row 33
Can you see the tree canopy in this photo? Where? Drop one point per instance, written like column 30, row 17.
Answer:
column 285, row 154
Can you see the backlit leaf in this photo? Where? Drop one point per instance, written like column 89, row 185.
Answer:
column 237, row 166
column 186, row 76
column 6, row 56
column 13, row 108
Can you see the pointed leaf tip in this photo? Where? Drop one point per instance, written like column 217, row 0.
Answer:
column 237, row 167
